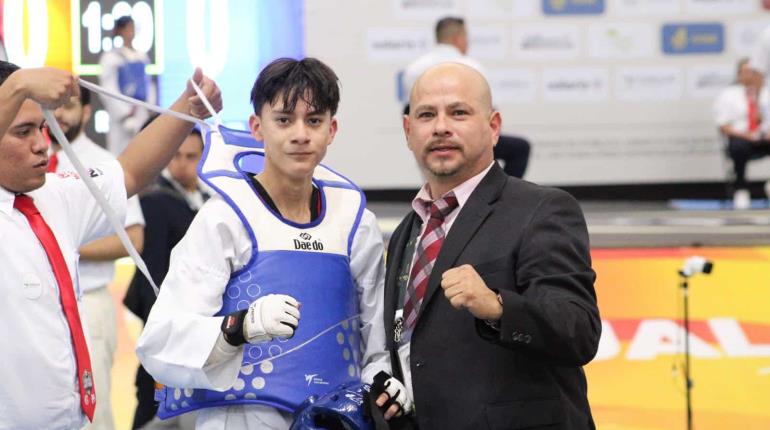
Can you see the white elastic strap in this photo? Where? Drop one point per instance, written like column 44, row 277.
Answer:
column 111, row 216
column 116, row 223
column 305, row 343
column 97, row 89
column 214, row 114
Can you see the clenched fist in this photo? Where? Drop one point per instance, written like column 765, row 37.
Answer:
column 465, row 289
column 275, row 315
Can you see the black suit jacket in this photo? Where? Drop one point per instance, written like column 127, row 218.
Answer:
column 531, row 244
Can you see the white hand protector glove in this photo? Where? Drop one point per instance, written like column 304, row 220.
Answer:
column 396, row 392
column 275, row 315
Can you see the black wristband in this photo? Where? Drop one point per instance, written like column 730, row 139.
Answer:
column 232, row 327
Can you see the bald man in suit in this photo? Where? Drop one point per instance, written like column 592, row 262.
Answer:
column 490, row 309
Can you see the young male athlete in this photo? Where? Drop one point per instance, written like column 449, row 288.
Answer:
column 225, row 335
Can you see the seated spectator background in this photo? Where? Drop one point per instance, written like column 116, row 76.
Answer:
column 738, row 112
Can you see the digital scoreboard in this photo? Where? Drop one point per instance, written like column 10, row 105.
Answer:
column 93, row 24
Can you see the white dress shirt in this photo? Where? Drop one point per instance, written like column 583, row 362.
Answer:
column 732, row 108
column 97, row 274
column 441, row 53
column 181, row 332
column 462, row 192
column 39, row 389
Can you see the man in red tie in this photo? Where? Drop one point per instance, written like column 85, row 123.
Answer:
column 738, row 112
column 96, row 267
column 47, row 377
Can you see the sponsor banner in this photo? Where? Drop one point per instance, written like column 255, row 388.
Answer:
column 646, row 7
column 545, row 42
column 745, row 35
column 488, row 9
column 706, row 82
column 525, row 9
column 636, row 380
column 652, row 83
column 497, row 9
column 488, row 42
column 573, row 7
column 693, row 38
column 603, row 123
column 575, row 84
column 426, row 9
column 638, row 154
column 719, row 7
column 622, row 40
column 512, row 85
column 396, row 44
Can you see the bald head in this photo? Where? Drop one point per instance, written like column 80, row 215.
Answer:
column 453, row 75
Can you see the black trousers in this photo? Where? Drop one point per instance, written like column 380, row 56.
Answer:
column 741, row 151
column 146, row 406
column 514, row 151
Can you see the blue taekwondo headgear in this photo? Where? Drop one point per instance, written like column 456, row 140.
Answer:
column 340, row 409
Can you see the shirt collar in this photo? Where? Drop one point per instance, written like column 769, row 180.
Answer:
column 79, row 141
column 449, row 49
column 422, row 200
column 6, row 201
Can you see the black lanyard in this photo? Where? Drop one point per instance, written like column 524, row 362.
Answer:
column 402, row 278
column 405, row 265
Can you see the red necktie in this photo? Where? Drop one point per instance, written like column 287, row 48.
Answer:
column 753, row 113
column 53, row 161
column 427, row 251
column 67, row 293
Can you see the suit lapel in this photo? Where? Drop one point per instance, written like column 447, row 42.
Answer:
column 469, row 220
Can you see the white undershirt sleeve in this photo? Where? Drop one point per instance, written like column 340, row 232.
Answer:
column 368, row 268
column 181, row 334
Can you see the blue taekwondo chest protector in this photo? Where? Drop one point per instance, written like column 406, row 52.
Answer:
column 310, row 262
column 132, row 80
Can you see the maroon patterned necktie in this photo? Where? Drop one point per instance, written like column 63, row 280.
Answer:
column 427, row 250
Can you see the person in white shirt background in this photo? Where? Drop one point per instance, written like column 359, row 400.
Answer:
column 41, row 388
column 96, row 267
column 740, row 113
column 123, row 71
column 451, row 46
